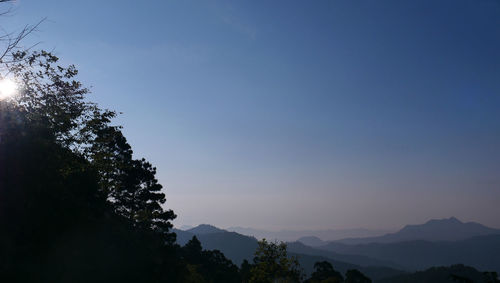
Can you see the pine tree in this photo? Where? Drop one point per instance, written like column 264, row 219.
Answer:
column 50, row 95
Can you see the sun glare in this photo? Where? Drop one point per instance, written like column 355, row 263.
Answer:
column 8, row 88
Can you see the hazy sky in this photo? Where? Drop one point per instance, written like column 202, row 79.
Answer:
column 297, row 114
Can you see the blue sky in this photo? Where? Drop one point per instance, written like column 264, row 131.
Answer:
column 297, row 114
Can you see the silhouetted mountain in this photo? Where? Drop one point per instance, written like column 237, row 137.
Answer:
column 299, row 248
column 294, row 235
column 450, row 229
column 451, row 274
column 379, row 272
column 238, row 247
column 312, row 241
column 182, row 236
column 205, row 229
column 482, row 252
column 234, row 246
column 186, row 227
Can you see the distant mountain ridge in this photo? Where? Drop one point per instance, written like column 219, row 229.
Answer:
column 312, row 241
column 415, row 247
column 450, row 229
column 212, row 237
column 481, row 252
column 238, row 247
column 300, row 248
column 443, row 274
column 205, row 229
column 294, row 235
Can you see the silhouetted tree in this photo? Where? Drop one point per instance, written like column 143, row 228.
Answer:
column 491, row 277
column 488, row 277
column 272, row 264
column 445, row 274
column 50, row 96
column 10, row 41
column 461, row 279
column 75, row 206
column 355, row 276
column 218, row 268
column 324, row 272
column 213, row 266
column 245, row 271
column 56, row 224
column 192, row 251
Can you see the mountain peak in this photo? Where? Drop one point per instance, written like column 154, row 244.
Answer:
column 185, row 227
column 447, row 229
column 205, row 229
column 312, row 241
column 444, row 223
column 451, row 220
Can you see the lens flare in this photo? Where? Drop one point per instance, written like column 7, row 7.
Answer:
column 8, row 88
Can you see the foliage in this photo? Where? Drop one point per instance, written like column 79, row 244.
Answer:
column 324, row 272
column 213, row 266
column 56, row 224
column 272, row 264
column 448, row 274
column 491, row 277
column 355, row 276
column 59, row 227
column 51, row 97
column 245, row 271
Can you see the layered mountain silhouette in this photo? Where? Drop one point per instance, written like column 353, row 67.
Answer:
column 205, row 229
column 234, row 246
column 450, row 229
column 312, row 241
column 482, row 252
column 443, row 242
column 449, row 274
column 436, row 243
column 294, row 235
column 239, row 247
column 300, row 248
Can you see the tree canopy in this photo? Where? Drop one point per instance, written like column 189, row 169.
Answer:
column 75, row 205
column 324, row 272
column 272, row 264
column 57, row 226
column 50, row 95
column 355, row 276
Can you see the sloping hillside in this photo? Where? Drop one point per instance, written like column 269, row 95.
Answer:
column 300, row 248
column 481, row 252
column 205, row 229
column 450, row 229
column 238, row 247
column 451, row 274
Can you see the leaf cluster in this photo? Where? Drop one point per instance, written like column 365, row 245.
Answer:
column 272, row 264
column 52, row 97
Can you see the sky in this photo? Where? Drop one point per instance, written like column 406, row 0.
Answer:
column 297, row 114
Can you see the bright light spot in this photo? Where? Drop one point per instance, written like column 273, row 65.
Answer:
column 8, row 88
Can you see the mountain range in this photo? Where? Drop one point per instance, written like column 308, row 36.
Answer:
column 440, row 242
column 452, row 274
column 450, row 229
column 437, row 242
column 239, row 247
column 482, row 252
column 293, row 235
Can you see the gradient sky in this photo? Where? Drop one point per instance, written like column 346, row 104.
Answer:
column 297, row 114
